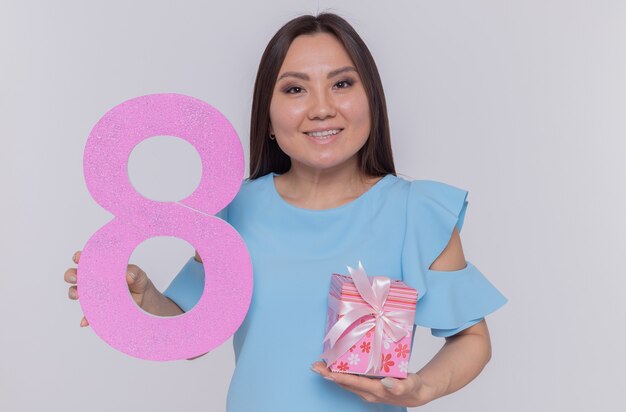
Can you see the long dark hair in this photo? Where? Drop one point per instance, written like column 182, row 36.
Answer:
column 375, row 157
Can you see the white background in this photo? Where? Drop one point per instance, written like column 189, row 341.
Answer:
column 522, row 103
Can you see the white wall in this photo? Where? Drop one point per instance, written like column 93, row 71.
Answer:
column 522, row 103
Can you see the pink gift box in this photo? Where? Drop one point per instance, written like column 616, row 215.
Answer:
column 399, row 307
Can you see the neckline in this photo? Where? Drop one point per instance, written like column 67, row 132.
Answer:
column 375, row 187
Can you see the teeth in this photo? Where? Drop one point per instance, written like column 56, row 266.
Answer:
column 324, row 133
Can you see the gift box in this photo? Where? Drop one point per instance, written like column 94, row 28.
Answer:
column 369, row 327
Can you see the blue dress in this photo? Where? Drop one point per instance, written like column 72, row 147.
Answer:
column 396, row 229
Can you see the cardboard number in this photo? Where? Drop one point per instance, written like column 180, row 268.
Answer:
column 104, row 294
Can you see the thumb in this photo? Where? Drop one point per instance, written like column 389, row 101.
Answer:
column 131, row 276
column 137, row 279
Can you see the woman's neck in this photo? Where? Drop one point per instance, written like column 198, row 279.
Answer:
column 322, row 189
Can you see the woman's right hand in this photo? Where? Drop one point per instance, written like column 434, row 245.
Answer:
column 138, row 283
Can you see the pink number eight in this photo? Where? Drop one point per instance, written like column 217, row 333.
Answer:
column 104, row 294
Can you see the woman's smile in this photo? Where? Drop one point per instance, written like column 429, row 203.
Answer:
column 324, row 136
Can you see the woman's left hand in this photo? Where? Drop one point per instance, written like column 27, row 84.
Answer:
column 407, row 392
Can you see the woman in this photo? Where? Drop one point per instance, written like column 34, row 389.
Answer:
column 323, row 194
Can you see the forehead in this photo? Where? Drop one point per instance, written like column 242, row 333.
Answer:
column 315, row 52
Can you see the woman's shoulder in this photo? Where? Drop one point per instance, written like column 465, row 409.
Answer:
column 426, row 191
column 425, row 186
column 421, row 188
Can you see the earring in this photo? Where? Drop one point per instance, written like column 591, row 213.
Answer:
column 272, row 136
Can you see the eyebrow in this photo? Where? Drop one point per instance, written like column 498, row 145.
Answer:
column 304, row 76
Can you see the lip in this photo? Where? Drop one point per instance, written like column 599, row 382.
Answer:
column 324, row 129
column 326, row 141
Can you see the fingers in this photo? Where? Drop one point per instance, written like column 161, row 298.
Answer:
column 347, row 379
column 369, row 389
column 73, row 293
column 70, row 275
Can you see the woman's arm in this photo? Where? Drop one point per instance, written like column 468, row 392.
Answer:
column 457, row 363
column 465, row 354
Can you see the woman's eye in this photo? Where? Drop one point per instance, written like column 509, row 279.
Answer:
column 293, row 90
column 344, row 84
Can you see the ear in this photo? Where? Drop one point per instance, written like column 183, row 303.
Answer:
column 271, row 129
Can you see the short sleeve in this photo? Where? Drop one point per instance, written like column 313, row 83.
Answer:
column 186, row 288
column 448, row 301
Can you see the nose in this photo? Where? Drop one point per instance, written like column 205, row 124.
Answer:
column 321, row 106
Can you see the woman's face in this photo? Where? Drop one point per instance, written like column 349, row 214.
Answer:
column 319, row 110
